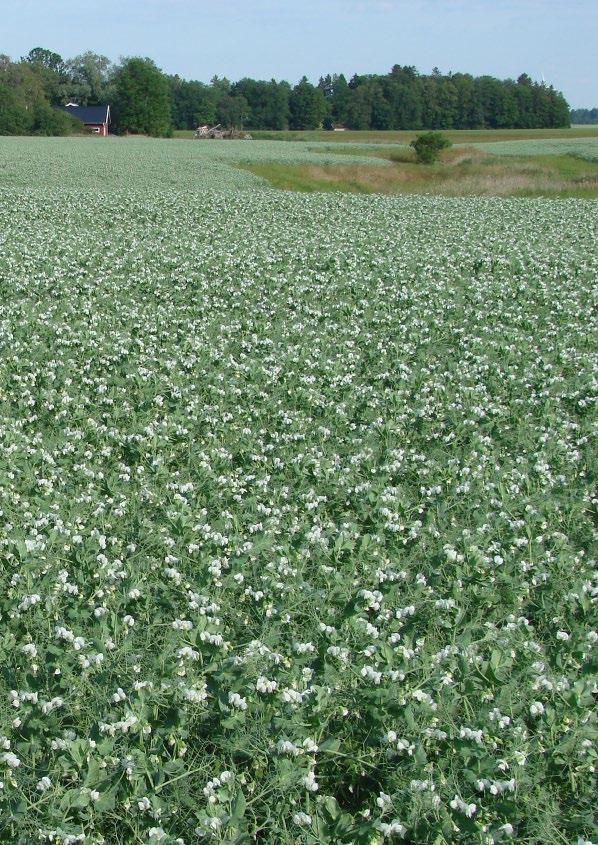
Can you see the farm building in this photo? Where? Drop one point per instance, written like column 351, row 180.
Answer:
column 96, row 118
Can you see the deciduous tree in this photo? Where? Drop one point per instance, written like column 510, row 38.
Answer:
column 141, row 99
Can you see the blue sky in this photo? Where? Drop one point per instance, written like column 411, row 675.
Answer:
column 557, row 39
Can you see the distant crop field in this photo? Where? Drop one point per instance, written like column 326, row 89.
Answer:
column 297, row 495
column 127, row 163
column 586, row 148
column 457, row 136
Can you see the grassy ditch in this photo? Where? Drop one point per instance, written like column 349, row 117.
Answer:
column 461, row 172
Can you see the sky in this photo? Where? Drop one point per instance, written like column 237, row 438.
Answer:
column 552, row 39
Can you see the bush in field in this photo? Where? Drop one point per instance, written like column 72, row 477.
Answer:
column 429, row 146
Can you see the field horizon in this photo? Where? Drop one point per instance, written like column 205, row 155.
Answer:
column 405, row 136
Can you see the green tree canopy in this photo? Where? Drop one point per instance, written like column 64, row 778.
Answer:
column 193, row 103
column 307, row 106
column 89, row 78
column 268, row 102
column 45, row 58
column 584, row 116
column 141, row 99
column 145, row 100
column 233, row 111
column 14, row 117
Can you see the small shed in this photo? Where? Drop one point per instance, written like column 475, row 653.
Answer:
column 96, row 118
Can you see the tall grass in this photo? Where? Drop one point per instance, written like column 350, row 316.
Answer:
column 462, row 172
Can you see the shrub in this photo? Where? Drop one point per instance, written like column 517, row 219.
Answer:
column 49, row 121
column 14, row 118
column 429, row 146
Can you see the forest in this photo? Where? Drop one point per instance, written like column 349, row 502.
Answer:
column 584, row 116
column 147, row 101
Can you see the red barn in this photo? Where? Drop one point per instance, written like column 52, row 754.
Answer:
column 96, row 118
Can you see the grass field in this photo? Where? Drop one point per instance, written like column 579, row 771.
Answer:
column 297, row 499
column 464, row 172
column 512, row 168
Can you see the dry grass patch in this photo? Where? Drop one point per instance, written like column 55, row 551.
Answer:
column 461, row 172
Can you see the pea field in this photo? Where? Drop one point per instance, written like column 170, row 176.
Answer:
column 297, row 506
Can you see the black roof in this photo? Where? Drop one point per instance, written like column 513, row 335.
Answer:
column 89, row 114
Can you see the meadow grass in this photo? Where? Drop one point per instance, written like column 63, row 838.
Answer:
column 461, row 172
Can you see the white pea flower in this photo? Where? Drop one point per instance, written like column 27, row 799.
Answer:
column 187, row 653
column 371, row 674
column 265, row 686
column 393, row 828
column 119, row 695
column 310, row 783
column 383, row 800
column 563, row 636
column 284, row 746
column 235, row 700
column 468, row 810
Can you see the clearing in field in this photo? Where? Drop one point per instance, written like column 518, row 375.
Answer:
column 296, row 495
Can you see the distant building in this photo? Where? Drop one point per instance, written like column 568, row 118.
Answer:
column 95, row 118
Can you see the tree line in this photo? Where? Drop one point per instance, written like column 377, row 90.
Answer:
column 584, row 116
column 143, row 99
